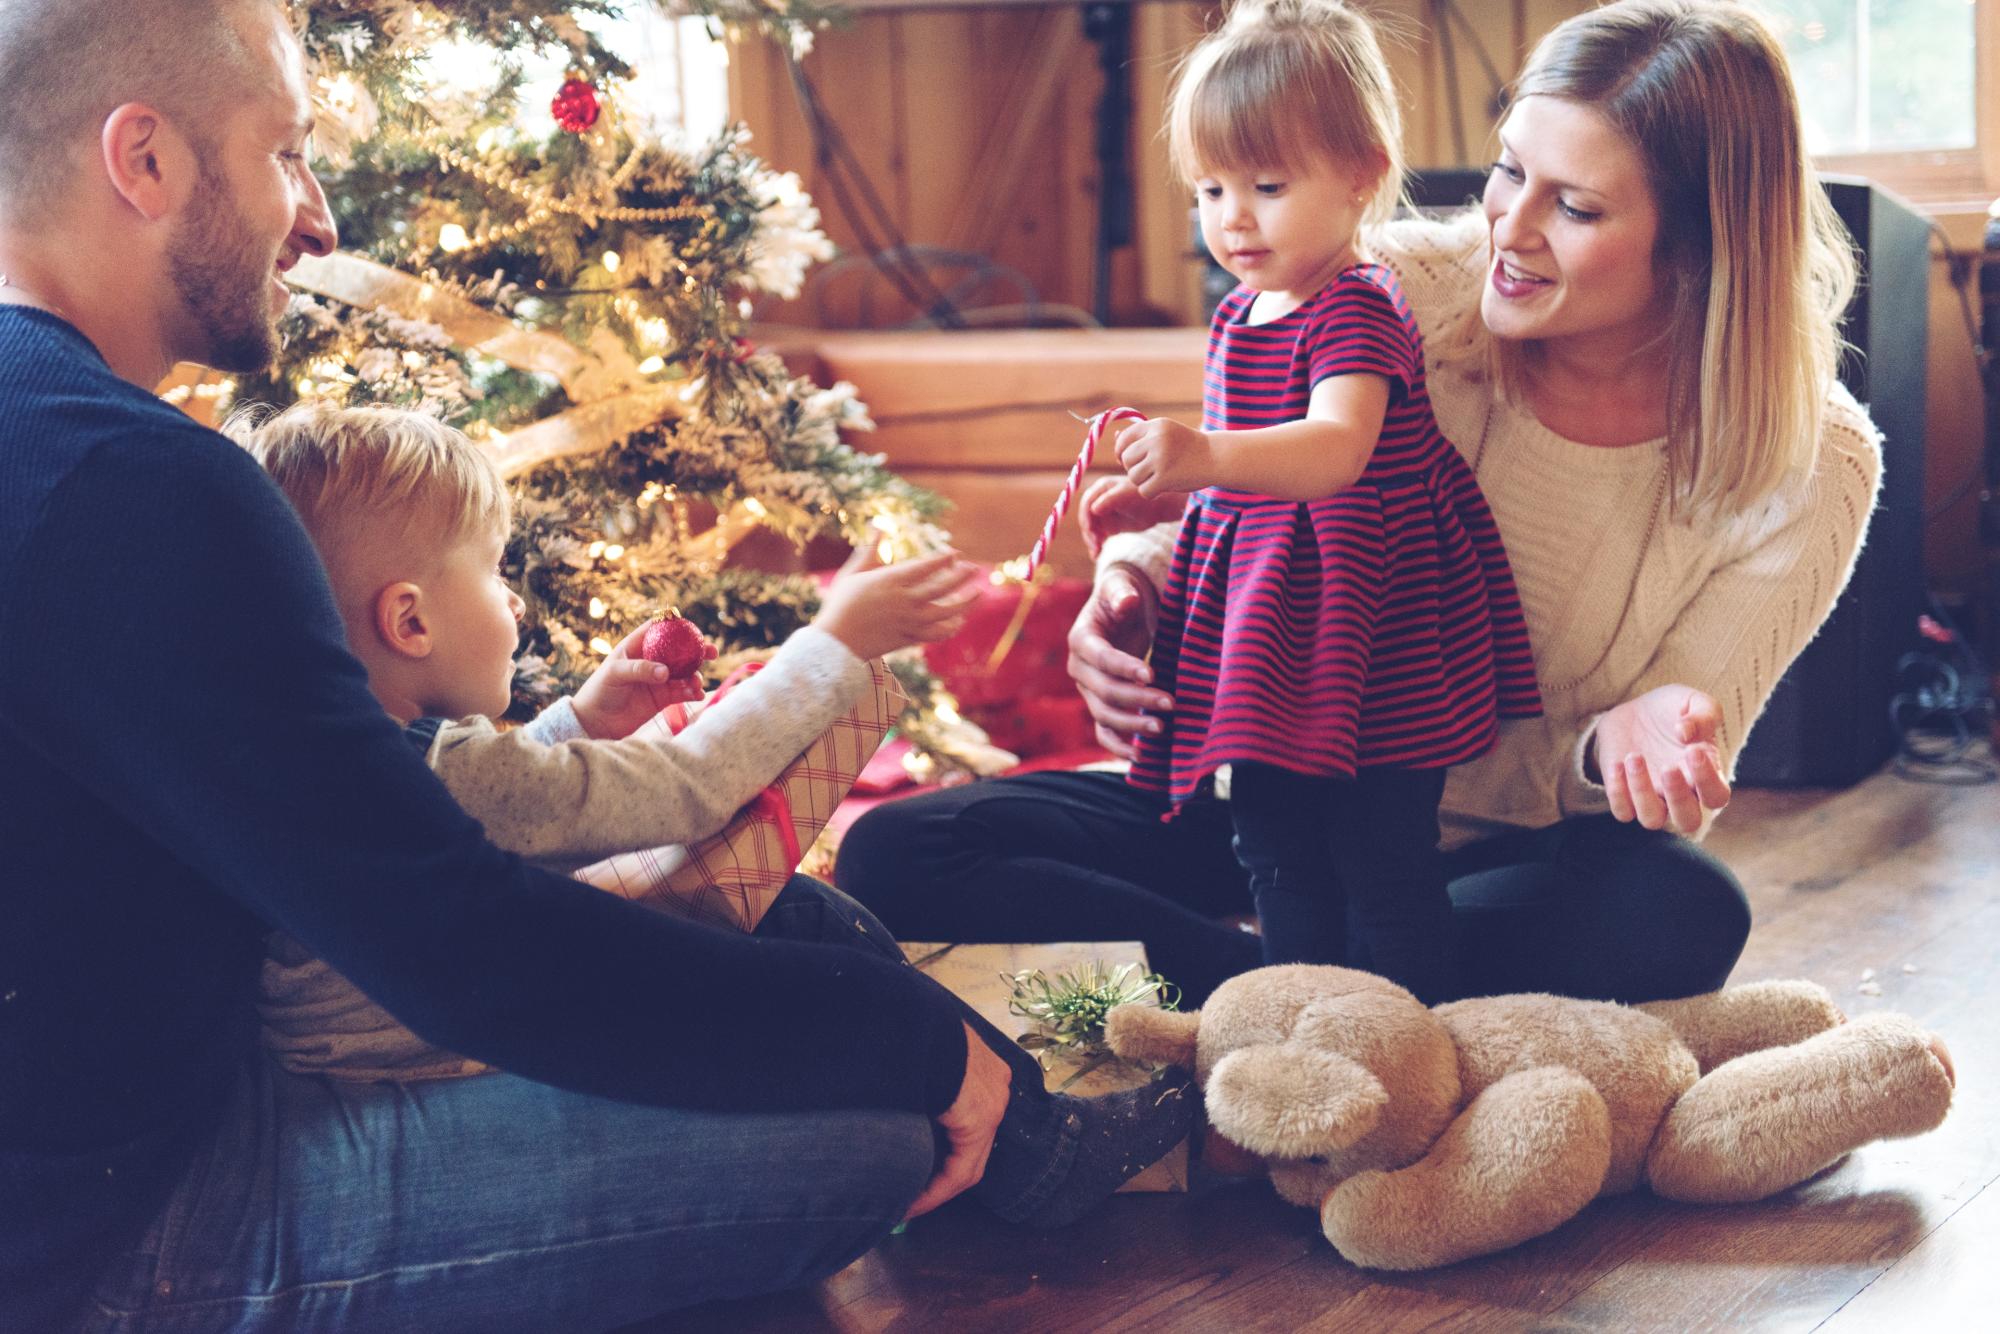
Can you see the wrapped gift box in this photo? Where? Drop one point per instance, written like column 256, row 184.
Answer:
column 978, row 975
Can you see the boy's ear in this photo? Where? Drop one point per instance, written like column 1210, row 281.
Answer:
column 399, row 621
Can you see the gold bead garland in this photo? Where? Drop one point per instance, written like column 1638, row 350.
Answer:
column 542, row 202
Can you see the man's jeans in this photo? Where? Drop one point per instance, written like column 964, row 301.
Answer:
column 494, row 1203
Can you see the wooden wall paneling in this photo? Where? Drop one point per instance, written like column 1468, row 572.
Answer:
column 1016, row 76
column 1408, row 46
column 858, row 72
column 1073, row 135
column 1538, row 17
column 1434, row 77
column 1166, row 274
column 1019, row 207
column 944, row 100
column 1954, row 436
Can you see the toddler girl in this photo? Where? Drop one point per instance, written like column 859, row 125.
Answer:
column 1339, row 624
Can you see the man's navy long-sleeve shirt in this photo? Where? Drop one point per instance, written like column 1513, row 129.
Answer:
column 189, row 756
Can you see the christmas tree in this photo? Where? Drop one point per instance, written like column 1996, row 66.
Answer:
column 572, row 290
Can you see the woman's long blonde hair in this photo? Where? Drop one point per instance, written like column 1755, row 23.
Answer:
column 1755, row 266
column 1284, row 82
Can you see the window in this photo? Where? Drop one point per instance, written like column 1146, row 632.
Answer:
column 1893, row 90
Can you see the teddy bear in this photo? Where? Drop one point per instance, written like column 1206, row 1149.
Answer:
column 1428, row 1136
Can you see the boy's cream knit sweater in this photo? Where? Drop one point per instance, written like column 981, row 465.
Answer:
column 1620, row 597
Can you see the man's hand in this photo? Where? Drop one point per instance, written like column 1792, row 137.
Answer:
column 1162, row 456
column 1113, row 505
column 1106, row 644
column 1658, row 759
column 626, row 690
column 969, row 1125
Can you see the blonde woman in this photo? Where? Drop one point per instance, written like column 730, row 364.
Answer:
column 1632, row 342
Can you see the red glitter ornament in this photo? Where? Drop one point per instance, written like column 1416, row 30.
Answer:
column 575, row 105
column 675, row 644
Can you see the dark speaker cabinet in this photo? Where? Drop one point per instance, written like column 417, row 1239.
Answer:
column 1828, row 721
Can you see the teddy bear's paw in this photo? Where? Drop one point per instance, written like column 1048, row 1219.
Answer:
column 1943, row 1055
column 1523, row 1158
column 1147, row 1033
column 1289, row 1101
column 1769, row 1120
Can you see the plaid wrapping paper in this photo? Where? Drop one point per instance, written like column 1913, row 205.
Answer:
column 730, row 878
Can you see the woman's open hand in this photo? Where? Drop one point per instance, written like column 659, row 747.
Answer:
column 1659, row 761
column 1107, row 647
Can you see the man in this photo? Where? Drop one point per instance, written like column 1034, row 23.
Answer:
column 189, row 757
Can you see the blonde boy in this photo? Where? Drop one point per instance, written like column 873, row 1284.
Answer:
column 411, row 519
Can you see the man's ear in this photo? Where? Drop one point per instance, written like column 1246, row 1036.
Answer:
column 149, row 163
column 399, row 621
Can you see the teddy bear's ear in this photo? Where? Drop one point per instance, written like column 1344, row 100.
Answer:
column 1148, row 1033
column 1288, row 1100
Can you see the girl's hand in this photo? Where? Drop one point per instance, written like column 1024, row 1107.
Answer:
column 876, row 609
column 626, row 690
column 1161, row 456
column 1659, row 761
column 1113, row 505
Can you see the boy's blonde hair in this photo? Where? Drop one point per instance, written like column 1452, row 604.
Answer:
column 1283, row 83
column 1755, row 266
column 375, row 483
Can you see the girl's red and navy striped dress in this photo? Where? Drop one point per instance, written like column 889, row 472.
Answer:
column 1378, row 626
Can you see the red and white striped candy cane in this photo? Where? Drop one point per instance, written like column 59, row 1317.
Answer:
column 1075, row 480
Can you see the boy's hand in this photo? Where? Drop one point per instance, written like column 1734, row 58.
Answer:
column 1162, row 455
column 626, row 690
column 1113, row 505
column 875, row 608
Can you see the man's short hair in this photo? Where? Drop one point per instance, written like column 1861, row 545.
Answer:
column 376, row 486
column 68, row 64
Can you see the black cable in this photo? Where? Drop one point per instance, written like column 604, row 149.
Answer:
column 1943, row 715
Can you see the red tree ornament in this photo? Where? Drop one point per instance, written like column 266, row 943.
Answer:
column 675, row 644
column 575, row 105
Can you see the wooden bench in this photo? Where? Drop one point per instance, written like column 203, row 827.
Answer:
column 992, row 420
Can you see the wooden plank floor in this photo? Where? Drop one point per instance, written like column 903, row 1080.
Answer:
column 1890, row 876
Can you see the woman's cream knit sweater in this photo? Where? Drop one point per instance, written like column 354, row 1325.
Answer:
column 1620, row 597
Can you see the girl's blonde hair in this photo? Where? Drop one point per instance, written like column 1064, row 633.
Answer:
column 1755, row 266
column 369, row 474
column 1283, row 83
